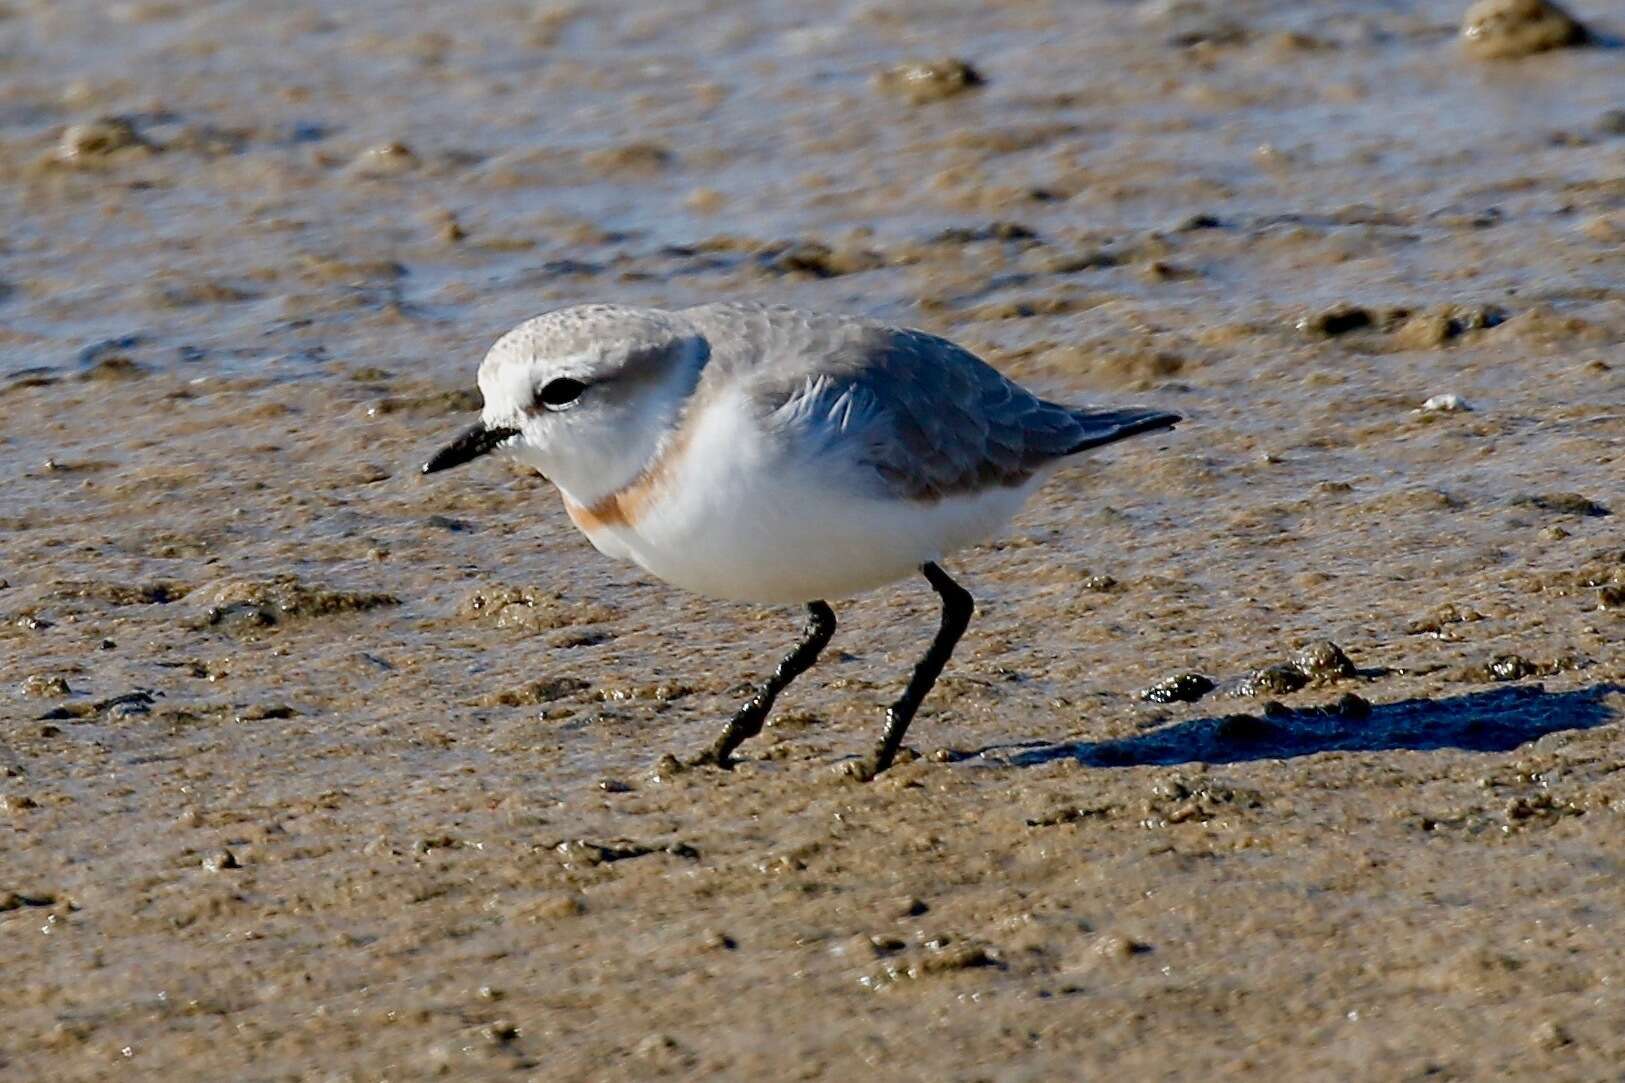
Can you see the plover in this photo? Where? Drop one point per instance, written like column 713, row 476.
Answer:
column 769, row 455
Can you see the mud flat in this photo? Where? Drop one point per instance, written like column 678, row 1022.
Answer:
column 1287, row 744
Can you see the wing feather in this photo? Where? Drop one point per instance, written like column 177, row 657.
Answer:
column 919, row 416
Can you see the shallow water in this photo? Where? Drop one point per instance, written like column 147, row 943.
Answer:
column 224, row 351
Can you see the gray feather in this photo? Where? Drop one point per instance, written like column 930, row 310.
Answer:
column 924, row 417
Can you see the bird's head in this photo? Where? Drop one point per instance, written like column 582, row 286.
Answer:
column 583, row 395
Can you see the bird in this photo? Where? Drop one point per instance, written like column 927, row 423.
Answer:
column 764, row 454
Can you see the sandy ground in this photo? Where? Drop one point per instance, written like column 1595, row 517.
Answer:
column 317, row 769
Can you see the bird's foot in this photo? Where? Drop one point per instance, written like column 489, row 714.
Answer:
column 870, row 767
column 712, row 757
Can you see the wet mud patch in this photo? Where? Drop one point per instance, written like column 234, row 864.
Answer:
column 245, row 606
column 530, row 609
column 277, row 315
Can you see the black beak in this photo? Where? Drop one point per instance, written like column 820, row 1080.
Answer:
column 471, row 443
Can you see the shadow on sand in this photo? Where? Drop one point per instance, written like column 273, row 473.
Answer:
column 1494, row 721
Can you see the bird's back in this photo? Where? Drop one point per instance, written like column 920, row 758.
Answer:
column 928, row 418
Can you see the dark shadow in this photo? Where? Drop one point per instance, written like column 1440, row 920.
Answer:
column 1493, row 721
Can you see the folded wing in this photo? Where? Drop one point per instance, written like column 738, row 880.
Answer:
column 922, row 417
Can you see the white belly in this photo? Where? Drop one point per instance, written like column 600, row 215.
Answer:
column 743, row 520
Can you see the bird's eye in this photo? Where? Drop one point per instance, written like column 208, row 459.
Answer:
column 557, row 394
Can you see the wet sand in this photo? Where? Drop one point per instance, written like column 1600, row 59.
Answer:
column 313, row 768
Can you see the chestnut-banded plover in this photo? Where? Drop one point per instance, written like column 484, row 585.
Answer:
column 768, row 455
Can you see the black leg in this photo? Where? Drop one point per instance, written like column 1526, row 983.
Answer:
column 747, row 721
column 957, row 606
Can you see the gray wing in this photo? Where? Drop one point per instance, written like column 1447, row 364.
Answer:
column 923, row 416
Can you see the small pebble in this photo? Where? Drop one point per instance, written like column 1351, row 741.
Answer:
column 500, row 1031
column 41, row 686
column 1117, row 946
column 1551, row 1035
column 221, row 859
column 1180, row 688
column 1278, row 680
column 922, row 81
column 384, row 160
column 1323, row 660
column 1446, row 404
column 1505, row 29
column 1509, row 667
column 96, row 140
column 125, row 709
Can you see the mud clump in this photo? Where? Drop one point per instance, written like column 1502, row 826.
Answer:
column 939, row 955
column 644, row 159
column 580, row 853
column 1509, row 667
column 1317, row 663
column 1278, row 680
column 1322, row 661
column 817, row 260
column 239, row 605
column 111, row 368
column 383, row 160
column 1177, row 801
column 1561, row 504
column 115, row 708
column 1505, row 29
column 42, row 686
column 339, row 270
column 1409, row 328
column 1438, row 621
column 1337, row 320
column 264, row 712
column 548, row 690
column 121, row 594
column 1180, row 688
column 993, row 231
column 919, row 82
column 182, row 292
column 1435, row 328
column 1448, row 403
column 530, row 610
column 97, row 141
